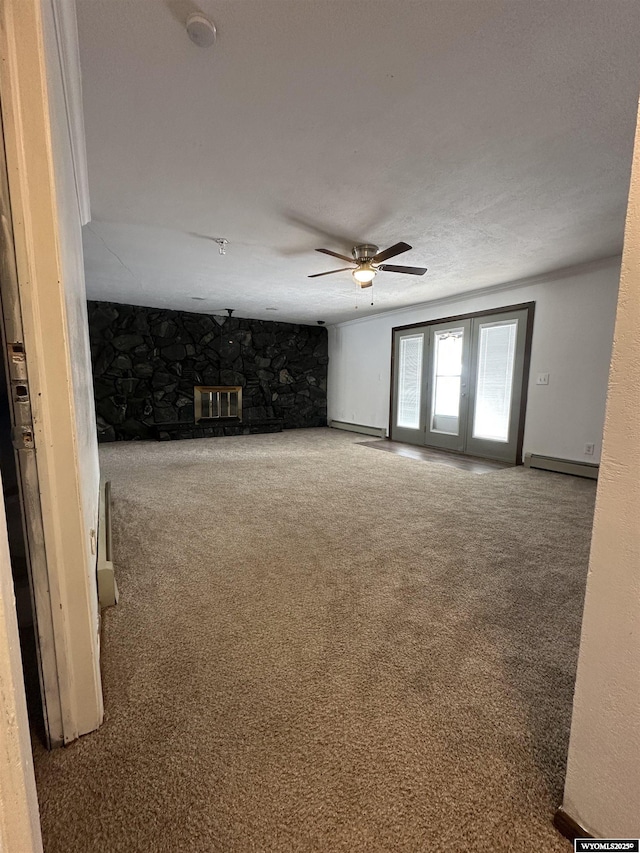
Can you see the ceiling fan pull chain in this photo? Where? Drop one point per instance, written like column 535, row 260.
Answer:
column 372, row 293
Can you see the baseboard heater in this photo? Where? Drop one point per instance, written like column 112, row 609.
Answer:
column 561, row 466
column 380, row 432
column 107, row 586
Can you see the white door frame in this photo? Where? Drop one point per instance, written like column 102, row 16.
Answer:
column 19, row 816
column 12, row 339
column 31, row 65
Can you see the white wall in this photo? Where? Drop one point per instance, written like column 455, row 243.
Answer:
column 573, row 331
column 602, row 791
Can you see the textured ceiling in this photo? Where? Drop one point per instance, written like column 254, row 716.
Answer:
column 495, row 136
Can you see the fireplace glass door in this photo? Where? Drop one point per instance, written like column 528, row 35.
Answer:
column 217, row 402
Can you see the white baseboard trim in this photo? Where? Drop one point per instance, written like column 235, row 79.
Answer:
column 561, row 466
column 379, row 432
column 107, row 586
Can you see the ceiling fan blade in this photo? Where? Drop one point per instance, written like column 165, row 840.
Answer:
column 391, row 252
column 408, row 270
column 331, row 272
column 335, row 255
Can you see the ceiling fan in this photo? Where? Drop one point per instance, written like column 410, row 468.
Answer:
column 367, row 261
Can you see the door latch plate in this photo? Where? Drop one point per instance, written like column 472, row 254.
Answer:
column 23, row 439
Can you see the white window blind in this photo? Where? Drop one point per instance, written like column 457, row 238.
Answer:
column 494, row 385
column 409, row 379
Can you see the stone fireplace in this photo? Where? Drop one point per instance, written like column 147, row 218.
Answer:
column 175, row 374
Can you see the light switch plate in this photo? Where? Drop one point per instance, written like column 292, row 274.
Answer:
column 542, row 379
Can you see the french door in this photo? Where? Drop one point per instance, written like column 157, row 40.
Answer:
column 459, row 384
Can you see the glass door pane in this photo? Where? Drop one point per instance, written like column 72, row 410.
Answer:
column 494, row 380
column 409, row 381
column 497, row 365
column 448, row 372
column 407, row 423
column 447, row 378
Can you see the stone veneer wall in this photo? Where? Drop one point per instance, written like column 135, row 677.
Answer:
column 146, row 362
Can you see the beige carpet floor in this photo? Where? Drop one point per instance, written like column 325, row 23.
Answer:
column 324, row 648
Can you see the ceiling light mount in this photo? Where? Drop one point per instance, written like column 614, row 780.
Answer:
column 222, row 244
column 200, row 30
column 364, row 252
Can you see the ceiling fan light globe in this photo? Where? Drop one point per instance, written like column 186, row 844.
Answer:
column 364, row 275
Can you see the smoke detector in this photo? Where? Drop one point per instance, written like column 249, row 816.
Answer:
column 201, row 30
